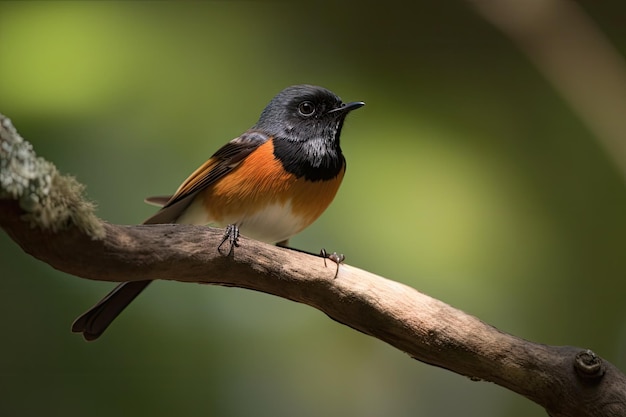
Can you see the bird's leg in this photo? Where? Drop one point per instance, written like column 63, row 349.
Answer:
column 231, row 234
column 337, row 258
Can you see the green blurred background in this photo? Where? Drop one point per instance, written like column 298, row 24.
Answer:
column 469, row 178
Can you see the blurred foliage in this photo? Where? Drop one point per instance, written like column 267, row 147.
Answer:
column 468, row 178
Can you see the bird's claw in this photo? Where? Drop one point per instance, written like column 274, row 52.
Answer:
column 231, row 234
column 337, row 258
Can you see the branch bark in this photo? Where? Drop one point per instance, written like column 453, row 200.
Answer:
column 566, row 381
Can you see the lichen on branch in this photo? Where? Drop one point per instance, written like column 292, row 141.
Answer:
column 50, row 200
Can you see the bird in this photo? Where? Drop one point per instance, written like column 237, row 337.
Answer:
column 268, row 184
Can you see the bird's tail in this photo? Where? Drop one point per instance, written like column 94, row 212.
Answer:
column 95, row 321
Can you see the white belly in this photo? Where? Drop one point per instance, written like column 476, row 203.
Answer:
column 274, row 223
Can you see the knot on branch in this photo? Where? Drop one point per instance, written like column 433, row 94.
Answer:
column 589, row 366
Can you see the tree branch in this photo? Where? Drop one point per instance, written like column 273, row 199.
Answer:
column 566, row 381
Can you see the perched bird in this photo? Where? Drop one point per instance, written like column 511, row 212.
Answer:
column 269, row 184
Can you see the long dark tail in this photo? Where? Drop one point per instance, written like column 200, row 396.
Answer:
column 95, row 321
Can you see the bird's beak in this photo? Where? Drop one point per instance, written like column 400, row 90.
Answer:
column 348, row 107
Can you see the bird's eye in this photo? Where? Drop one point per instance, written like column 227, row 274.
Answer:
column 306, row 108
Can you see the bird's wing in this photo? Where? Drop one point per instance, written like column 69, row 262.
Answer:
column 221, row 163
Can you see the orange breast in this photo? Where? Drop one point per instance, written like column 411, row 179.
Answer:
column 260, row 181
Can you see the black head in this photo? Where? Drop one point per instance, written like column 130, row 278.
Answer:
column 305, row 122
column 305, row 112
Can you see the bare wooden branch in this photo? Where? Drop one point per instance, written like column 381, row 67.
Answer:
column 566, row 381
